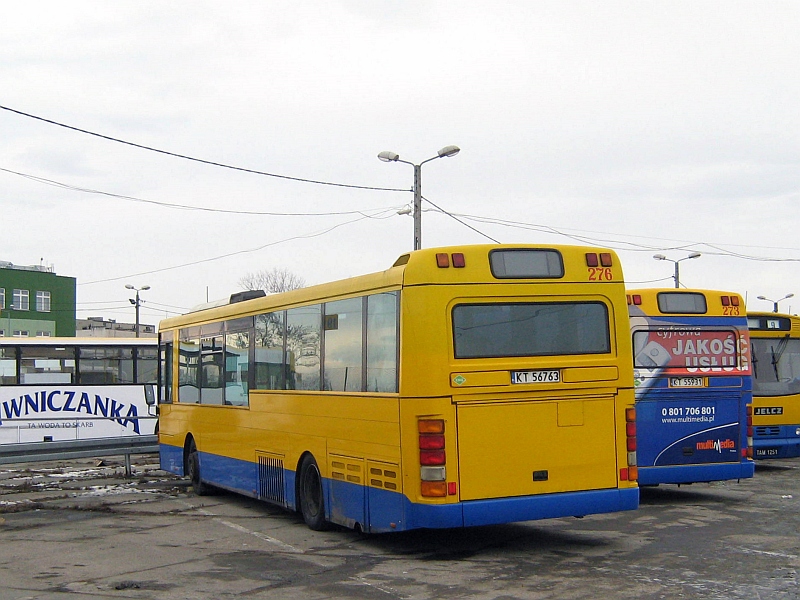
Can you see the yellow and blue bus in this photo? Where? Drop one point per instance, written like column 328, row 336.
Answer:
column 463, row 386
column 693, row 385
column 775, row 340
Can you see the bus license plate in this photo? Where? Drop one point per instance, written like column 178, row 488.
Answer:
column 684, row 382
column 535, row 376
column 764, row 452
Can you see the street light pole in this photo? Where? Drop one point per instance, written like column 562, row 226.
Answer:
column 677, row 275
column 394, row 157
column 775, row 302
column 137, row 302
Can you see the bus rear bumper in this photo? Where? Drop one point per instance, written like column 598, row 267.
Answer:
column 776, row 448
column 695, row 473
column 526, row 508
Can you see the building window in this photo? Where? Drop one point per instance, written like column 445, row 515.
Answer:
column 20, row 333
column 43, row 301
column 43, row 334
column 2, row 298
column 20, row 300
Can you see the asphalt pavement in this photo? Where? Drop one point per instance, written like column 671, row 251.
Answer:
column 81, row 529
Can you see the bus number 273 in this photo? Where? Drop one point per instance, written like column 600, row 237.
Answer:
column 600, row 274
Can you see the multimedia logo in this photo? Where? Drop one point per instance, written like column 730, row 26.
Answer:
column 717, row 445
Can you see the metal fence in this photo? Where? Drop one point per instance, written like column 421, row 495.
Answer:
column 67, row 449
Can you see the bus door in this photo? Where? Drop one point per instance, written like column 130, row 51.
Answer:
column 548, row 423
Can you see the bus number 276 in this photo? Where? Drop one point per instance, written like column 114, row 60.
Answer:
column 600, row 274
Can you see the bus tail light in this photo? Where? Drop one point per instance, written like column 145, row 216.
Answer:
column 634, row 299
column 631, row 472
column 605, row 259
column 432, row 459
column 591, row 259
column 434, row 489
column 442, row 260
column 748, row 452
column 459, row 262
column 730, row 300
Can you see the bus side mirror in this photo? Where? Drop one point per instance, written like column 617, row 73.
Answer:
column 149, row 394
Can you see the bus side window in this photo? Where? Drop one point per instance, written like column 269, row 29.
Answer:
column 188, row 384
column 237, row 368
column 382, row 342
column 269, row 364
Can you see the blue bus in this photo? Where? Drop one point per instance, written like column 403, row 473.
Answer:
column 691, row 358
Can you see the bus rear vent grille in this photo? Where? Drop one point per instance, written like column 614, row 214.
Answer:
column 768, row 431
column 270, row 478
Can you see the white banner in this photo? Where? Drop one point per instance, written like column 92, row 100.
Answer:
column 33, row 413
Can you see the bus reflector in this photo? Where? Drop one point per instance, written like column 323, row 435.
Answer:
column 434, row 489
column 591, row 259
column 452, row 488
column 605, row 259
column 458, row 260
column 442, row 260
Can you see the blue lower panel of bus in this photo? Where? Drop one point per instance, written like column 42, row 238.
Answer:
column 378, row 510
column 695, row 473
column 776, row 441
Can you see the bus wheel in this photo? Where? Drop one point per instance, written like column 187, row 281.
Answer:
column 312, row 503
column 193, row 469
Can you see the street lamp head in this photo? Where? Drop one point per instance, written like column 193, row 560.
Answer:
column 694, row 255
column 659, row 257
column 788, row 296
column 144, row 287
column 128, row 286
column 387, row 156
column 764, row 298
column 449, row 151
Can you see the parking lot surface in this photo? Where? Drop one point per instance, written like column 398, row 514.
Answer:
column 80, row 529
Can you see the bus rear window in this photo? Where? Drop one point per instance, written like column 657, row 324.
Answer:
column 684, row 303
column 530, row 329
column 526, row 264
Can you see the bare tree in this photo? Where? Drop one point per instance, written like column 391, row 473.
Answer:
column 272, row 281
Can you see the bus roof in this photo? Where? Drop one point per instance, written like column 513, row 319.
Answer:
column 446, row 265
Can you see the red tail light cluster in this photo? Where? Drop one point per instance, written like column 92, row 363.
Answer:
column 432, row 459
column 631, row 472
column 598, row 260
column 730, row 300
column 748, row 452
column 634, row 299
column 443, row 260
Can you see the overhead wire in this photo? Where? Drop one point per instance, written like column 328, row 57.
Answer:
column 198, row 160
column 74, row 188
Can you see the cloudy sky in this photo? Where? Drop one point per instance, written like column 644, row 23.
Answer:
column 649, row 127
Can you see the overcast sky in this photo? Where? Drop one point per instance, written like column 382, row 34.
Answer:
column 649, row 127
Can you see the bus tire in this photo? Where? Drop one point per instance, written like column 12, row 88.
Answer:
column 193, row 471
column 311, row 498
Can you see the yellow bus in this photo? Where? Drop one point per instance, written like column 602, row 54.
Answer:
column 463, row 386
column 776, row 384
